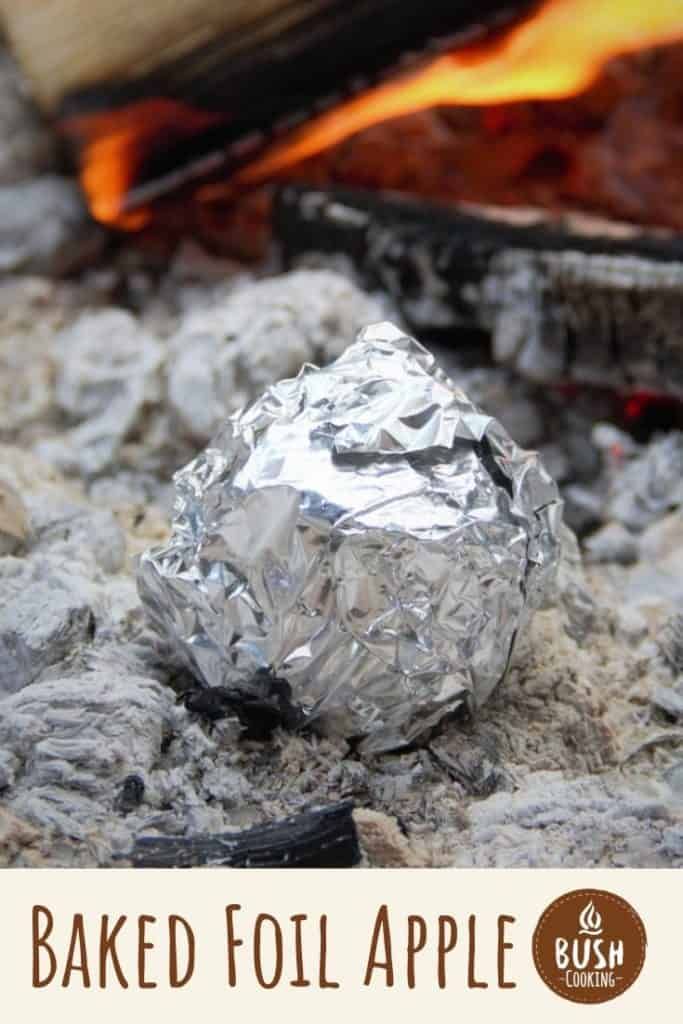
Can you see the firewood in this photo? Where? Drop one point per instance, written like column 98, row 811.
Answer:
column 561, row 298
column 66, row 45
column 322, row 837
column 197, row 49
column 194, row 85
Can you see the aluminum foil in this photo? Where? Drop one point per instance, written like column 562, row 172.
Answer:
column 365, row 531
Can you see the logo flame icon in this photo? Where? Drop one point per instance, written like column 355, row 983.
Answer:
column 590, row 921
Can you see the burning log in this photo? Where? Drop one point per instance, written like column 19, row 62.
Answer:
column 320, row 838
column 612, row 148
column 562, row 298
column 165, row 91
column 163, row 94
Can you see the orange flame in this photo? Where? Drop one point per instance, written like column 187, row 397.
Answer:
column 115, row 141
column 557, row 52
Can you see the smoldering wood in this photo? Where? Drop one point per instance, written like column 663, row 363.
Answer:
column 577, row 152
column 320, row 838
column 561, row 298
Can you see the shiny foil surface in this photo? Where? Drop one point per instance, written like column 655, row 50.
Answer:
column 365, row 531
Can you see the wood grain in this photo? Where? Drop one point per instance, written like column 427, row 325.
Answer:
column 66, row 45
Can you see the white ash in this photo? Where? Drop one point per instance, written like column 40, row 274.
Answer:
column 613, row 483
column 69, row 581
column 108, row 370
column 30, row 312
column 102, row 356
column 71, row 736
column 107, row 394
column 223, row 357
column 44, row 616
column 669, row 699
column 583, row 507
column 609, row 438
column 650, row 485
column 612, row 543
column 599, row 821
column 655, row 580
column 45, row 227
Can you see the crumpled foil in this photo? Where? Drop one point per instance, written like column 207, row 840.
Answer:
column 365, row 531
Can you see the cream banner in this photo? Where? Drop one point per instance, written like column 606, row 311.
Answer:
column 323, row 946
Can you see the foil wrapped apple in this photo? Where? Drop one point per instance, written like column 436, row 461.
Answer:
column 364, row 531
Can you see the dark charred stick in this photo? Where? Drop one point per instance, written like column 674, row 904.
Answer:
column 561, row 299
column 334, row 219
column 261, row 707
column 319, row 838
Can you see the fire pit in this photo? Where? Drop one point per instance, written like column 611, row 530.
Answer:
column 478, row 183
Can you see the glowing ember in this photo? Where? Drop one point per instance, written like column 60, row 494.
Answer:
column 556, row 53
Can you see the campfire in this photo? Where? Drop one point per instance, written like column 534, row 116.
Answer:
column 555, row 69
column 533, row 105
column 557, row 52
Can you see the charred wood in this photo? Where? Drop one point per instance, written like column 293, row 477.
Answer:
column 319, row 838
column 261, row 706
column 203, row 51
column 561, row 298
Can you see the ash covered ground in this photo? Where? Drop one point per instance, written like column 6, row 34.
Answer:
column 115, row 375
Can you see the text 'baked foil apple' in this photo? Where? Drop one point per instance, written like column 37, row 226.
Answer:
column 366, row 532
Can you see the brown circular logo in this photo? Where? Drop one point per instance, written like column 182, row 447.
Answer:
column 589, row 946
